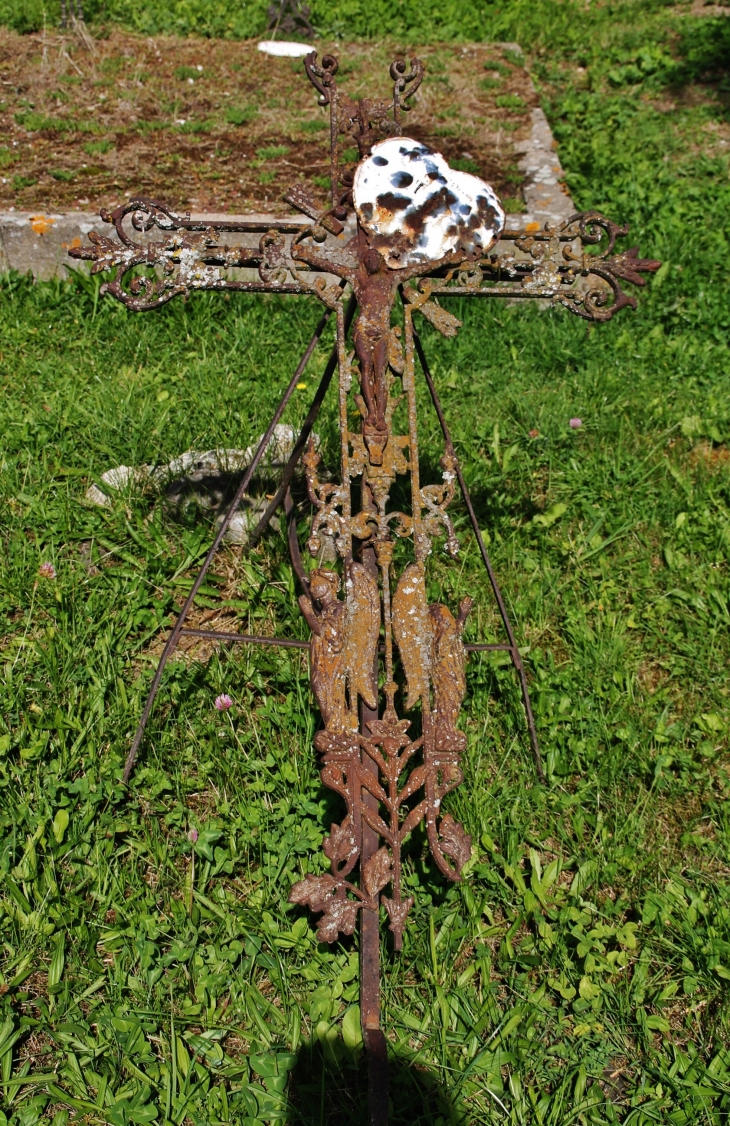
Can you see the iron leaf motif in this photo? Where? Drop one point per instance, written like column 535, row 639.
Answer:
column 341, row 843
column 454, row 841
column 339, row 918
column 314, row 892
column 376, row 872
column 397, row 912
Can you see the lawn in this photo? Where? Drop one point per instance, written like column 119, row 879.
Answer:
column 580, row 973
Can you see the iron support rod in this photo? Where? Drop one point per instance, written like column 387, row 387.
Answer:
column 245, row 638
column 304, row 433
column 293, row 540
column 176, row 630
column 293, row 643
column 513, row 650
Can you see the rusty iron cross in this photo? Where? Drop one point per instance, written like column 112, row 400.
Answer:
column 400, row 226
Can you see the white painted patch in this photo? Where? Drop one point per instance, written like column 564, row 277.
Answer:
column 418, row 209
column 287, row 50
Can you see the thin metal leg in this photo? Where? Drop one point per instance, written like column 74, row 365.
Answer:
column 304, row 433
column 293, row 540
column 174, row 637
column 513, row 650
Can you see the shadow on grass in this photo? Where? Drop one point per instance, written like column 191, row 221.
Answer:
column 329, row 1087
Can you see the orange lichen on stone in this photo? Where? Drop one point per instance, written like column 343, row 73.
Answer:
column 41, row 223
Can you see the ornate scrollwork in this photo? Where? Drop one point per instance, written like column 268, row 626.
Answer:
column 181, row 259
column 404, row 85
column 329, row 501
column 322, row 77
column 191, row 257
column 552, row 265
column 145, row 214
column 276, row 264
column 437, row 498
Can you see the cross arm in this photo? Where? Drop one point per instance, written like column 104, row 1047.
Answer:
column 192, row 256
column 576, row 265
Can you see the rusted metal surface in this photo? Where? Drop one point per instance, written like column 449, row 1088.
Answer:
column 290, row 17
column 76, row 17
column 512, row 647
column 399, row 222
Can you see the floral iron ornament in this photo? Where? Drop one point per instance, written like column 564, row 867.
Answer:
column 400, row 226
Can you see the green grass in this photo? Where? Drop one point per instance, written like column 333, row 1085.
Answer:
column 510, row 101
column 183, row 73
column 240, row 115
column 272, row 152
column 317, row 125
column 98, row 148
column 580, row 973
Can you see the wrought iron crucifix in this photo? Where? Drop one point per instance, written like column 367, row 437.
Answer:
column 400, row 226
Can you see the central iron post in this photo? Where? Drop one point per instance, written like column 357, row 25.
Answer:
column 372, row 1033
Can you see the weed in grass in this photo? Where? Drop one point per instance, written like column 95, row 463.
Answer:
column 316, row 125
column 62, row 174
column 464, row 164
column 188, row 73
column 192, row 126
column 273, row 152
column 240, row 115
column 499, row 67
column 35, row 122
column 98, row 148
column 510, row 101
column 112, row 66
column 513, row 55
column 143, row 126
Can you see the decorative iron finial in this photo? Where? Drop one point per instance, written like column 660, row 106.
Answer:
column 290, row 16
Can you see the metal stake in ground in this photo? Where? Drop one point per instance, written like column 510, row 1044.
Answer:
column 399, row 220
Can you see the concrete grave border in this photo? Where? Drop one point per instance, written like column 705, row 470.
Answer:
column 36, row 243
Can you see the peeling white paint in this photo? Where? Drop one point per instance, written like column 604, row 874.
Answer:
column 408, row 195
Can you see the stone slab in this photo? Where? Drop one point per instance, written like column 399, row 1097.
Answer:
column 546, row 197
column 38, row 243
